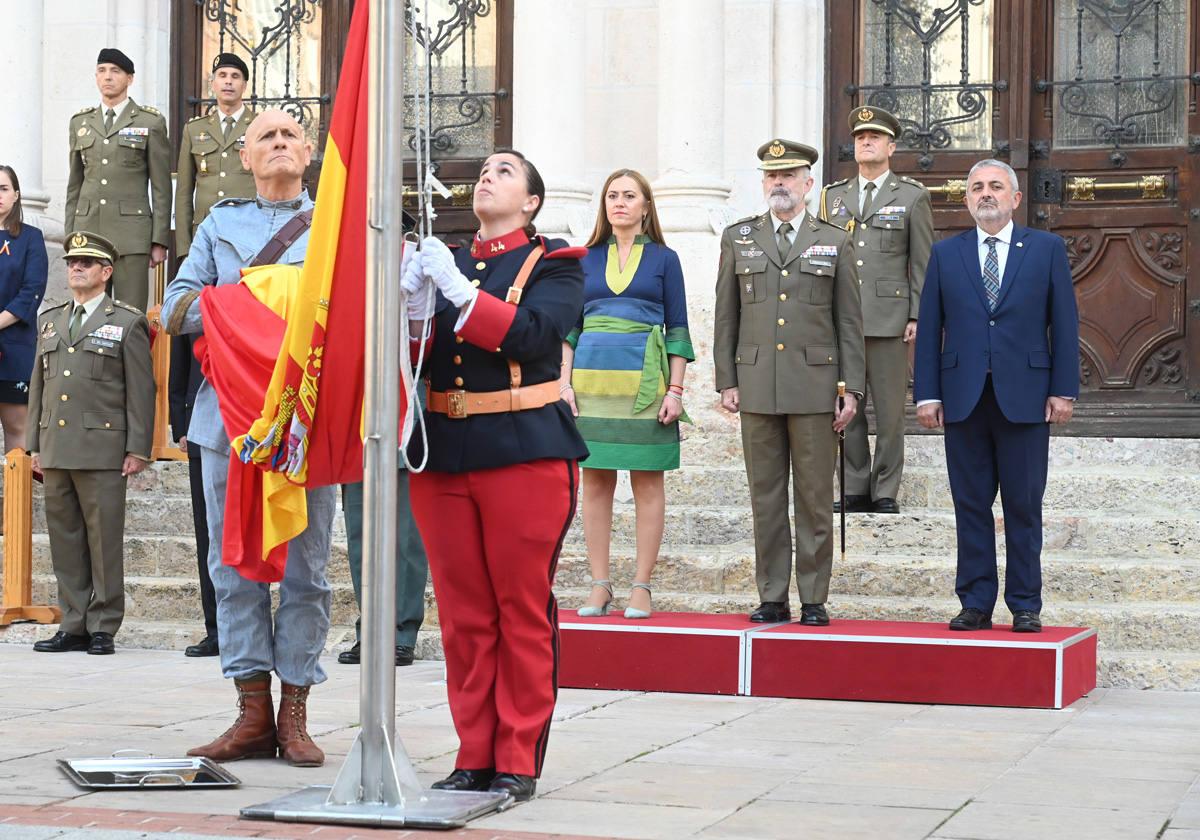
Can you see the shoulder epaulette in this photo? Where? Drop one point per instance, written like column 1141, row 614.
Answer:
column 838, row 183
column 913, row 181
column 86, row 110
column 56, row 306
column 231, row 202
column 571, row 252
column 151, row 109
column 197, row 119
column 128, row 306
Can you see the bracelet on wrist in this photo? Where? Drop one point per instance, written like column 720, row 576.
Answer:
column 564, row 388
column 677, row 397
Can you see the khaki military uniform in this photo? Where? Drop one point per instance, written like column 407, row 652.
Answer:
column 787, row 329
column 892, row 239
column 120, row 187
column 209, row 170
column 91, row 402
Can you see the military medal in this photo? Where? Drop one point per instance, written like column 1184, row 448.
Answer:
column 749, row 288
column 81, row 132
column 744, row 241
column 744, row 230
column 203, row 164
column 202, row 136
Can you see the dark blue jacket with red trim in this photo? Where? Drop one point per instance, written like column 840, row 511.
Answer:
column 476, row 357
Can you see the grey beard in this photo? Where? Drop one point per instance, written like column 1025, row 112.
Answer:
column 987, row 213
column 783, row 203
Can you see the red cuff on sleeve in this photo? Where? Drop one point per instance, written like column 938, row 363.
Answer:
column 489, row 322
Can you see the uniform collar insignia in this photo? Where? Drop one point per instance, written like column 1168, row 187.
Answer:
column 290, row 204
column 483, row 249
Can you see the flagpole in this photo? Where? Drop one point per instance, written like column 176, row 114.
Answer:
column 377, row 785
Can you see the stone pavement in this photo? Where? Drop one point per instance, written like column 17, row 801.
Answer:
column 1119, row 764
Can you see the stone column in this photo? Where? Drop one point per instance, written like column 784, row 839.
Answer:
column 21, row 103
column 548, row 109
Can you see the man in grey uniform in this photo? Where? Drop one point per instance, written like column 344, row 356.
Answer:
column 787, row 329
column 252, row 644
column 890, row 219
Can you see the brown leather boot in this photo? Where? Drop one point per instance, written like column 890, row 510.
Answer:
column 294, row 744
column 253, row 733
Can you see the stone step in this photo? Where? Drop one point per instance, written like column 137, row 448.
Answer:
column 922, row 531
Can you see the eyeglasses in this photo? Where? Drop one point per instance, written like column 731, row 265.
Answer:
column 82, row 262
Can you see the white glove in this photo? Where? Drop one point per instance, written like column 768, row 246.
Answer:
column 421, row 302
column 438, row 264
column 411, row 276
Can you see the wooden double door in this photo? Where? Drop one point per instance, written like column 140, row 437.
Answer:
column 1093, row 103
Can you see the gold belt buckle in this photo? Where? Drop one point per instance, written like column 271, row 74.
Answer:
column 456, row 404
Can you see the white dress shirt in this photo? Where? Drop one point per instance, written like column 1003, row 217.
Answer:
column 237, row 115
column 118, row 109
column 1002, row 246
column 862, row 189
column 795, row 223
column 89, row 307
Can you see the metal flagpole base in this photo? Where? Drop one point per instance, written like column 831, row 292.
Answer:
column 434, row 809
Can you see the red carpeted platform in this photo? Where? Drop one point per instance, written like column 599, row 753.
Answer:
column 913, row 662
column 683, row 652
column 906, row 662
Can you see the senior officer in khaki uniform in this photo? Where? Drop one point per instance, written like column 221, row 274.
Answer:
column 91, row 401
column 788, row 327
column 210, row 167
column 119, row 151
column 890, row 219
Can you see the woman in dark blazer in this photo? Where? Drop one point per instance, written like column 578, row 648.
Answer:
column 23, row 268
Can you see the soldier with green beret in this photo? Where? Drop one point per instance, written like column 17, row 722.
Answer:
column 91, row 407
column 890, row 219
column 788, row 328
column 120, row 178
column 210, row 166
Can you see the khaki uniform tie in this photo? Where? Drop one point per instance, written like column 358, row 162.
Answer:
column 109, row 116
column 76, row 323
column 785, row 244
column 868, row 194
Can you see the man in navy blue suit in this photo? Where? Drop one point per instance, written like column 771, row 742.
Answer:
column 997, row 361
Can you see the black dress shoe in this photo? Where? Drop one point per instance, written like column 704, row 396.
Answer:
column 466, row 780
column 1026, row 621
column 769, row 612
column 62, row 642
column 886, row 505
column 814, row 615
column 102, row 644
column 352, row 656
column 854, row 504
column 971, row 619
column 404, row 656
column 206, row 647
column 520, row 788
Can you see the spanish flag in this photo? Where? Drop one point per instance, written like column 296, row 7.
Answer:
column 284, row 350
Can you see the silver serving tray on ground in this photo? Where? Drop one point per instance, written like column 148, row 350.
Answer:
column 139, row 771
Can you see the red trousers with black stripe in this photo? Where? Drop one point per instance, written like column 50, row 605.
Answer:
column 493, row 538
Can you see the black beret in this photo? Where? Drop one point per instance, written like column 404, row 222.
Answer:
column 230, row 60
column 110, row 55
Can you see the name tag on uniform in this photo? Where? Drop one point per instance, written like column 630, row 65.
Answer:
column 891, row 210
column 889, row 217
column 101, row 342
column 109, row 332
column 820, row 251
column 825, row 263
column 134, row 131
column 751, row 253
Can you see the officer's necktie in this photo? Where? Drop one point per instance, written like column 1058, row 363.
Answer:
column 228, row 122
column 991, row 273
column 867, row 195
column 785, row 244
column 109, row 116
column 76, row 323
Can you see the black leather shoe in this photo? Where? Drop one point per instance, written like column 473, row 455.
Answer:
column 62, row 642
column 520, row 788
column 814, row 615
column 886, row 505
column 854, row 504
column 769, row 612
column 404, row 656
column 102, row 644
column 971, row 619
column 352, row 656
column 466, row 780
column 206, row 647
column 1026, row 621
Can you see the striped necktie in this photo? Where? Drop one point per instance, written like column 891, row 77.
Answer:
column 991, row 273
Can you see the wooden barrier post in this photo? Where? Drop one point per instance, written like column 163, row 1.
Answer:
column 18, row 545
column 164, row 448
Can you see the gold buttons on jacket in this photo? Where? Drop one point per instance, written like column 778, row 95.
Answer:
column 784, row 272
column 475, row 282
column 480, row 266
column 104, row 201
column 778, row 346
column 62, row 422
column 104, row 161
column 222, row 174
column 746, row 270
column 458, row 360
column 224, row 154
column 106, row 143
column 820, row 271
column 221, row 193
column 64, row 398
column 108, row 425
column 860, row 262
column 66, row 373
column 458, row 339
column 829, row 358
column 781, row 322
column 103, row 181
column 70, row 349
column 897, row 293
column 862, row 244
column 783, row 296
column 458, row 380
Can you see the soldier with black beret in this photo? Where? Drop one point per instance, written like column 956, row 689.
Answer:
column 120, row 178
column 890, row 218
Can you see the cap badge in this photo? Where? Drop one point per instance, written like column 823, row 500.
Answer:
column 866, row 114
column 78, row 241
column 776, row 150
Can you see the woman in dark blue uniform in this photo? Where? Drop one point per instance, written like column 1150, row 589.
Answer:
column 498, row 494
column 23, row 269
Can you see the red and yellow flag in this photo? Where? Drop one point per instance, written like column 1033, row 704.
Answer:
column 296, row 440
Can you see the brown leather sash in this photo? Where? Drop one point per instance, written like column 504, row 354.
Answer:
column 461, row 404
column 283, row 239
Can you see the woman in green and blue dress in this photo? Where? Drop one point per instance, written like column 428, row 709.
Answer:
column 623, row 371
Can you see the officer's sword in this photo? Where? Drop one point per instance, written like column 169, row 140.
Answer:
column 841, row 404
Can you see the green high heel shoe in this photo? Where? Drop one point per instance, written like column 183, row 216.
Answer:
column 632, row 612
column 595, row 612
